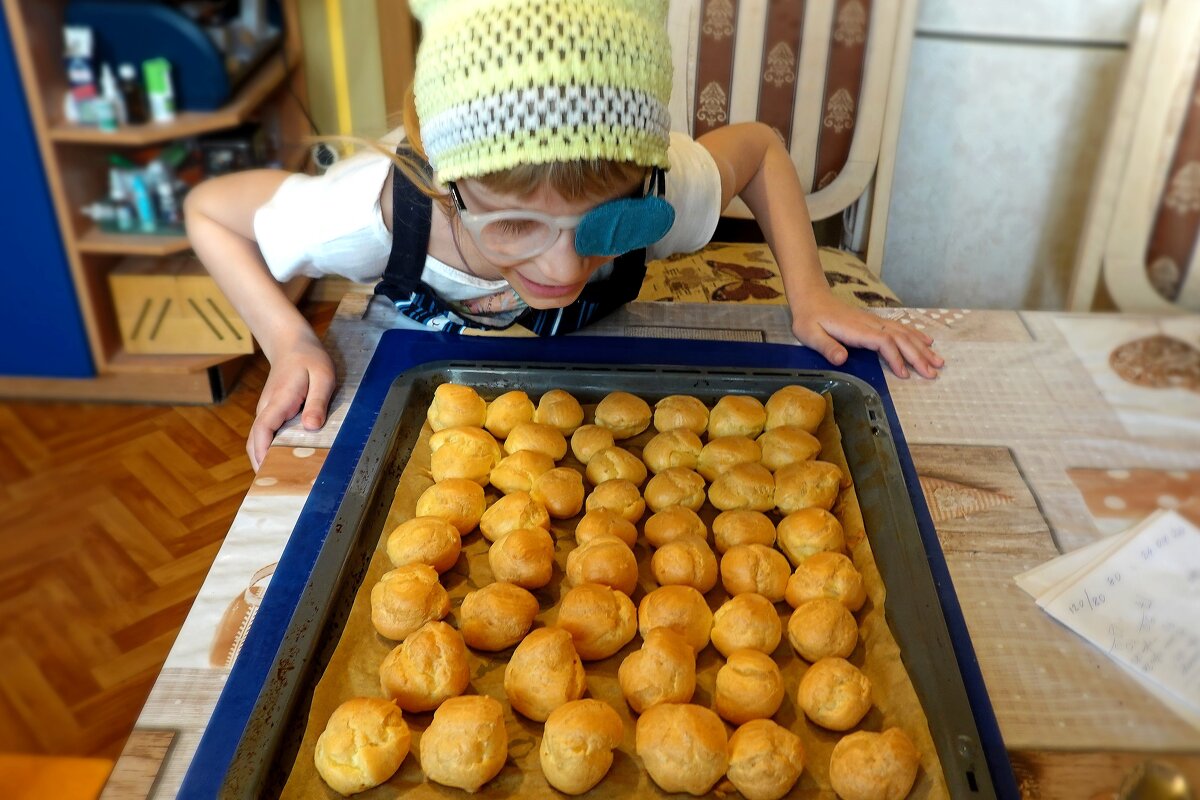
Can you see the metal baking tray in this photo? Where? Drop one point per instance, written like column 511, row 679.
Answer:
column 267, row 749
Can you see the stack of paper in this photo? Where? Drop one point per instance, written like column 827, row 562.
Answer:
column 1136, row 596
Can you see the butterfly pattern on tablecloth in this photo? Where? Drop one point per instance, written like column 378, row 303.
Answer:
column 748, row 282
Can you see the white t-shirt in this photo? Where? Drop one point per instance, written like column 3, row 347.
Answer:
column 332, row 224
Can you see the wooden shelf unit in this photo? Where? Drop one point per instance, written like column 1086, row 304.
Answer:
column 75, row 159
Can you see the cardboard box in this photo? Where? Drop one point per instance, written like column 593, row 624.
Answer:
column 172, row 306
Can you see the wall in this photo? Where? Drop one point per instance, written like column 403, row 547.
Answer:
column 1004, row 118
column 343, row 66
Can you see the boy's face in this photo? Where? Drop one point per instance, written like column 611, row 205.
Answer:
column 551, row 279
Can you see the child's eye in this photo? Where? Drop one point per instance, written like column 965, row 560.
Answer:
column 510, row 227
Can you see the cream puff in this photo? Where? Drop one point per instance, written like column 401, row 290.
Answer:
column 680, row 412
column 795, row 405
column 736, row 415
column 506, row 412
column 454, row 405
column 459, row 501
column 543, row 673
column 624, row 414
column 559, row 409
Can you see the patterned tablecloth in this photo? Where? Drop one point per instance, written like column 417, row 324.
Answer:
column 1045, row 432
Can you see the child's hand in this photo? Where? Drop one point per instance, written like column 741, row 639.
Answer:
column 302, row 376
column 828, row 323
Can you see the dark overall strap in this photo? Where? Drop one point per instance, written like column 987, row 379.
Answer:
column 412, row 214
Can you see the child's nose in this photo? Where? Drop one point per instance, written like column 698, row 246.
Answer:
column 562, row 264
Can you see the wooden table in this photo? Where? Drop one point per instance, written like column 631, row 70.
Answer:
column 1030, row 444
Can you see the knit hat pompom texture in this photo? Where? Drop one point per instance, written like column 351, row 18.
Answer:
column 500, row 83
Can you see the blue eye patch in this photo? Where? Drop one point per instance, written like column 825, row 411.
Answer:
column 624, row 225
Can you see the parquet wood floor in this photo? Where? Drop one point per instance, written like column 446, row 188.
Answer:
column 110, row 516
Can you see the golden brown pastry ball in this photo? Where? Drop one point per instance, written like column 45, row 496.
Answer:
column 512, row 512
column 619, row 496
column 755, row 568
column 680, row 608
column 497, row 616
column 543, row 673
column 524, row 556
column 680, row 411
column 587, row 440
column 677, row 448
column 615, row 462
column 746, row 621
column 424, row 540
column 683, row 747
column 363, row 744
column 834, row 694
column 736, row 415
column 807, row 484
column 826, row 575
column 559, row 409
column 454, row 405
column 466, row 744
column 672, row 523
column 536, row 436
column 463, row 453
column 808, row 531
column 719, row 455
column 822, row 628
column 405, row 599
column 765, row 760
column 603, row 522
column 459, row 501
column 676, row 486
column 624, row 414
column 426, row 668
column 577, row 744
column 605, row 560
column 742, row 526
column 746, row 486
column 749, row 686
column 560, row 490
column 507, row 411
column 662, row 671
column 795, row 405
column 873, row 766
column 600, row 619
column 686, row 561
column 787, row 444
column 517, row 472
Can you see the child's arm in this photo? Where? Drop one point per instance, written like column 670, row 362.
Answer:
column 220, row 223
column 755, row 165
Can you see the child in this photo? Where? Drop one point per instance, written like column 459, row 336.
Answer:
column 552, row 175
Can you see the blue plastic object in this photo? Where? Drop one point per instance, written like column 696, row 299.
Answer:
column 622, row 226
column 399, row 351
column 43, row 325
column 132, row 31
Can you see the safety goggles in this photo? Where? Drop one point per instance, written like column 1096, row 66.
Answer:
column 610, row 229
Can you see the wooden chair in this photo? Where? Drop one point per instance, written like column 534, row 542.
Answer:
column 1140, row 246
column 828, row 76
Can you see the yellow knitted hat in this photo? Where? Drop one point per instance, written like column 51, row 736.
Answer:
column 506, row 82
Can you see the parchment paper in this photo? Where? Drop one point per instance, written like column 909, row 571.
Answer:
column 353, row 668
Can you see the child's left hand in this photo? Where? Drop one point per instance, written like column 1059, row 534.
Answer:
column 828, row 324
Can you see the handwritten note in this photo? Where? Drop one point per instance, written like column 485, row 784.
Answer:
column 1138, row 600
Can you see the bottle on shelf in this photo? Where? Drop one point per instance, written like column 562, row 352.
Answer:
column 112, row 95
column 132, row 94
column 123, row 214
